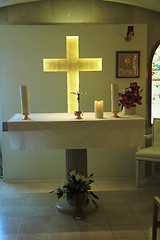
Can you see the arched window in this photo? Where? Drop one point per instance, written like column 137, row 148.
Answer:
column 155, row 85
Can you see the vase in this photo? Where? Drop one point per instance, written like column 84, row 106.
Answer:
column 78, row 201
column 130, row 111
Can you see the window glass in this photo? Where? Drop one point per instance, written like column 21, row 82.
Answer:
column 155, row 99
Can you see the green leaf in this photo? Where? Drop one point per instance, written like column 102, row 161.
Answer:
column 90, row 181
column 60, row 194
column 94, row 202
column 91, row 175
column 94, row 195
column 52, row 191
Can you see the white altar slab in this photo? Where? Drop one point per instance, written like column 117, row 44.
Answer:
column 63, row 131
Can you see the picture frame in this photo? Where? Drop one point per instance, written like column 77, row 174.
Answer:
column 127, row 64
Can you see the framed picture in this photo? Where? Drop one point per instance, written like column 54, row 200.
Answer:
column 127, row 64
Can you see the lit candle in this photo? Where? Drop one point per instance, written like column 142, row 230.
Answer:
column 98, row 108
column 24, row 95
column 114, row 98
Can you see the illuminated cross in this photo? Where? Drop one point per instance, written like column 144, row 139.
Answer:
column 72, row 64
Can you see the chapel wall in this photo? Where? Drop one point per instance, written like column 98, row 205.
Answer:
column 56, row 12
column 84, row 12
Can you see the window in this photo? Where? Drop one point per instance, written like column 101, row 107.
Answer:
column 155, row 94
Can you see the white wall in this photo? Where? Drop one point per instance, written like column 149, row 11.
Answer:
column 22, row 49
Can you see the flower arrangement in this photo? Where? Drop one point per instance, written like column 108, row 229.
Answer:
column 130, row 96
column 77, row 186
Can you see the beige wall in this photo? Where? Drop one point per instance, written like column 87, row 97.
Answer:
column 84, row 12
column 22, row 49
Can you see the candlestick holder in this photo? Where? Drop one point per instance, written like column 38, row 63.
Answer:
column 78, row 114
column 26, row 116
column 115, row 115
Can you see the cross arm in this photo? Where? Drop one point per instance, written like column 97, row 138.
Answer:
column 90, row 64
column 54, row 65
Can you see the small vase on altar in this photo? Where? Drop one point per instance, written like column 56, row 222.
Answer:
column 129, row 111
column 130, row 98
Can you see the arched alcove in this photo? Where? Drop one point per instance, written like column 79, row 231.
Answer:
column 154, row 83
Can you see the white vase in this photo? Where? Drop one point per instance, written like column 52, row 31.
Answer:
column 130, row 111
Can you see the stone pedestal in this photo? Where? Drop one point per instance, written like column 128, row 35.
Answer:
column 76, row 159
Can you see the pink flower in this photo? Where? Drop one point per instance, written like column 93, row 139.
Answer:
column 138, row 100
column 130, row 96
column 134, row 87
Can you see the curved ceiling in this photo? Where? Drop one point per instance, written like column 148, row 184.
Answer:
column 148, row 4
column 4, row 3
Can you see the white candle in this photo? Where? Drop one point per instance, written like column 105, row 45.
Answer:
column 98, row 108
column 114, row 98
column 24, row 95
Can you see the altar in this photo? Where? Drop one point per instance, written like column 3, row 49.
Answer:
column 63, row 131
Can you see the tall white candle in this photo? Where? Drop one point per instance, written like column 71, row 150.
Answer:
column 98, row 108
column 114, row 98
column 24, row 95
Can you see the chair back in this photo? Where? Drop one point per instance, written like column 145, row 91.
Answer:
column 156, row 131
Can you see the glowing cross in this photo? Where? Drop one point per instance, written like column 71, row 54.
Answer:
column 72, row 64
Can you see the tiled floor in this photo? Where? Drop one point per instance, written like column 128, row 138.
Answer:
column 27, row 212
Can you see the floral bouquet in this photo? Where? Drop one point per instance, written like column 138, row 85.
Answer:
column 77, row 187
column 130, row 96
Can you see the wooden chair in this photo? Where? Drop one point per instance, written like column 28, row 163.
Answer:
column 156, row 223
column 150, row 154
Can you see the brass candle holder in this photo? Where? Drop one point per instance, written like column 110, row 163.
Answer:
column 115, row 115
column 26, row 116
column 78, row 114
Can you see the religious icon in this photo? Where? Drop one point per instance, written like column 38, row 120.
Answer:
column 78, row 114
column 127, row 64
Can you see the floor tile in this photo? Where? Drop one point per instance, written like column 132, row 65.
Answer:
column 13, row 199
column 8, row 236
column 96, row 232
column 127, row 232
column 12, row 211
column 9, row 229
column 40, row 186
column 122, row 219
column 39, row 211
column 127, row 184
column 16, row 187
column 108, row 184
column 63, row 220
column 33, row 230
column 37, row 199
column 117, row 208
column 144, row 217
column 35, row 221
column 28, row 212
column 142, row 206
column 96, row 235
column 137, row 194
column 95, row 220
column 37, row 236
column 148, row 231
column 65, row 236
column 69, row 232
